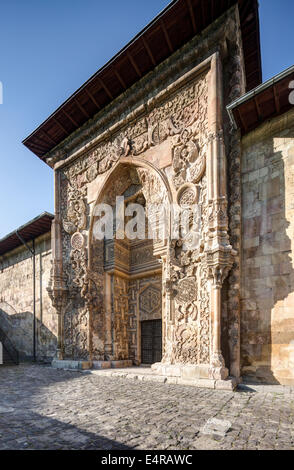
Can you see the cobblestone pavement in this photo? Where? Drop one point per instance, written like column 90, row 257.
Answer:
column 44, row 408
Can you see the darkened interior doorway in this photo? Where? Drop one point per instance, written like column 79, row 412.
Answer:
column 151, row 341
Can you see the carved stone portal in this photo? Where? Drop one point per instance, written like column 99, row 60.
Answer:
column 174, row 155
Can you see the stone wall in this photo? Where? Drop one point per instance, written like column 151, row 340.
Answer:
column 267, row 326
column 16, row 300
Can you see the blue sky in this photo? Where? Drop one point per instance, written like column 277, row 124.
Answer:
column 48, row 48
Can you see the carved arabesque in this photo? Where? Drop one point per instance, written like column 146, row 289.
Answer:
column 202, row 255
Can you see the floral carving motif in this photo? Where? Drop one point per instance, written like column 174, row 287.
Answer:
column 76, row 218
column 188, row 163
column 169, row 118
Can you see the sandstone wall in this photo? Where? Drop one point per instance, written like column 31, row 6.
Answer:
column 16, row 300
column 267, row 322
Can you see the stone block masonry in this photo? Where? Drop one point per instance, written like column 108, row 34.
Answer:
column 16, row 300
column 267, row 321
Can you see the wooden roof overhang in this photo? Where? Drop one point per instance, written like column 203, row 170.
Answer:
column 172, row 28
column 27, row 232
column 265, row 102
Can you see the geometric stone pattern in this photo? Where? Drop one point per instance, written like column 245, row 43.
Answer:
column 56, row 409
column 144, row 304
column 150, row 300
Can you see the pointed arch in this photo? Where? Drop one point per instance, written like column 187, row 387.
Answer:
column 123, row 162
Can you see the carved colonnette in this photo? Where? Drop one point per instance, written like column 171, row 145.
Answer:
column 169, row 148
column 234, row 76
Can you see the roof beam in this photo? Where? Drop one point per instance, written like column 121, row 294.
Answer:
column 41, row 145
column 167, row 38
column 82, row 109
column 257, row 106
column 203, row 13
column 146, row 45
column 131, row 59
column 242, row 120
column 37, row 147
column 250, row 74
column 277, row 102
column 105, row 88
column 70, row 118
column 119, row 77
column 244, row 10
column 49, row 137
column 92, row 98
column 192, row 16
column 60, row 125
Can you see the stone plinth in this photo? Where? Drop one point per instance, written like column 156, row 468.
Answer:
column 196, row 375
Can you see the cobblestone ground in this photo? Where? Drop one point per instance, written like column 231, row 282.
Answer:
column 43, row 408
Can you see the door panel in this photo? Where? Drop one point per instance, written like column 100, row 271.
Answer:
column 151, row 341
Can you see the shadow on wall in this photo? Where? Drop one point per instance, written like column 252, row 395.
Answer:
column 267, row 318
column 19, row 329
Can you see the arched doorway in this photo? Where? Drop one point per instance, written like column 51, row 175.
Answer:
column 128, row 322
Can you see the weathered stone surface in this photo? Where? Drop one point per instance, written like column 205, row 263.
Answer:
column 16, row 300
column 216, row 427
column 267, row 321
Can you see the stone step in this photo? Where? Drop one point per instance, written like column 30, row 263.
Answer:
column 147, row 375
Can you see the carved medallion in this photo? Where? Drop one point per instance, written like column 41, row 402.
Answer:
column 186, row 291
column 188, row 195
column 77, row 241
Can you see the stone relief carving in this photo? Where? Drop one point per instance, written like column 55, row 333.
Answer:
column 174, row 116
column 77, row 241
column 171, row 118
column 188, row 162
column 120, row 321
column 76, row 218
column 187, row 286
column 142, row 307
column 187, row 195
column 236, row 88
column 149, row 300
column 189, row 268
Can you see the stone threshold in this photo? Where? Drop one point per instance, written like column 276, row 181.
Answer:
column 141, row 374
column 125, row 370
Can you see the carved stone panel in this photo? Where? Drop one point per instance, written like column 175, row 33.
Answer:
column 150, row 302
column 115, row 284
